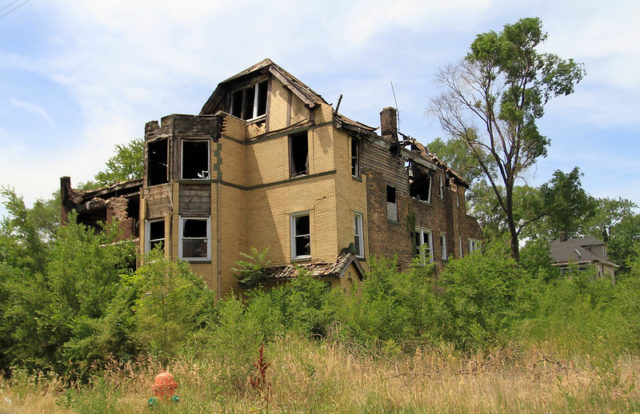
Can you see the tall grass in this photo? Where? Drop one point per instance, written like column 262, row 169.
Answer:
column 321, row 376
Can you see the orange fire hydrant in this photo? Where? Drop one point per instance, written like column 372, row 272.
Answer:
column 163, row 388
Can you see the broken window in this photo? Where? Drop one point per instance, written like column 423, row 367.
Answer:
column 300, row 236
column 358, row 234
column 249, row 102
column 157, row 162
column 195, row 160
column 195, row 237
column 355, row 157
column 154, row 235
column 443, row 247
column 441, row 187
column 424, row 245
column 299, row 154
column 420, row 183
column 392, row 206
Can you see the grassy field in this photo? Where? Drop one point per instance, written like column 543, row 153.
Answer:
column 320, row 376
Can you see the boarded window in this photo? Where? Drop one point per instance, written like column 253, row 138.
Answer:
column 249, row 102
column 420, row 184
column 392, row 206
column 157, row 162
column 195, row 160
column 299, row 154
column 300, row 236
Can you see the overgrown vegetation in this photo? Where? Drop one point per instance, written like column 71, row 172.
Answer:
column 75, row 317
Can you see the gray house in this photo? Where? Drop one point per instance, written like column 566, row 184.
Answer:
column 585, row 252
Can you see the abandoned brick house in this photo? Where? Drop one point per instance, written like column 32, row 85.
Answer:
column 269, row 163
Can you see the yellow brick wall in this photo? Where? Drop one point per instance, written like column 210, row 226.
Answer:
column 268, row 218
column 266, row 161
column 234, row 166
column 351, row 194
column 278, row 105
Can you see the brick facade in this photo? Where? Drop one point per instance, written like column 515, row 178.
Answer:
column 247, row 193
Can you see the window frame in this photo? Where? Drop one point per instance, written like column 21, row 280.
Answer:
column 421, row 232
column 460, row 246
column 297, row 137
column 443, row 247
column 474, row 245
column 256, row 100
column 151, row 168
column 355, row 160
column 392, row 206
column 294, row 235
column 358, row 239
column 181, row 238
column 208, row 171
column 441, row 188
column 147, row 235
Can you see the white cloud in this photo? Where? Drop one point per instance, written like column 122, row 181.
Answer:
column 32, row 109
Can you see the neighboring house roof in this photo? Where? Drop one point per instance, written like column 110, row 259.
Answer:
column 317, row 269
column 576, row 251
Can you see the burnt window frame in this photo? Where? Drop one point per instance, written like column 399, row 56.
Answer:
column 414, row 193
column 182, row 153
column 182, row 238
column 149, row 174
column 254, row 91
column 294, row 235
column 148, row 241
column 293, row 139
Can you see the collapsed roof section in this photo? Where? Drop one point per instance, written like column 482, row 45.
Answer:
column 319, row 270
column 416, row 152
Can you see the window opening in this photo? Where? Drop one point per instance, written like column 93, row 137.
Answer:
column 157, row 162
column 424, row 245
column 355, row 157
column 420, row 184
column 194, row 238
column 441, row 187
column 249, row 102
column 299, row 154
column 300, row 236
column 460, row 243
column 443, row 246
column 392, row 206
column 474, row 245
column 358, row 236
column 195, row 160
column 154, row 235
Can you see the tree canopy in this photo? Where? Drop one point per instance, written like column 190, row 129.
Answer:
column 492, row 100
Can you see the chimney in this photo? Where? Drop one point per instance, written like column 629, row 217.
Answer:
column 389, row 124
column 563, row 236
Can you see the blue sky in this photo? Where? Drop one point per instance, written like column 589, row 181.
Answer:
column 78, row 77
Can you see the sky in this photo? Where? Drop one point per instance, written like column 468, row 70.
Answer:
column 78, row 77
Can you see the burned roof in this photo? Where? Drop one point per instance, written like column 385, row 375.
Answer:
column 317, row 269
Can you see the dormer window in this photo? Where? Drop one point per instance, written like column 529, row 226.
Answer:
column 249, row 102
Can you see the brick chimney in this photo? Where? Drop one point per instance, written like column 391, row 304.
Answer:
column 389, row 124
column 563, row 236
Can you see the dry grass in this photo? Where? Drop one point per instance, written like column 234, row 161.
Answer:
column 323, row 377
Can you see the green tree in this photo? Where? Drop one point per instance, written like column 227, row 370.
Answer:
column 493, row 99
column 608, row 212
column 567, row 205
column 126, row 164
